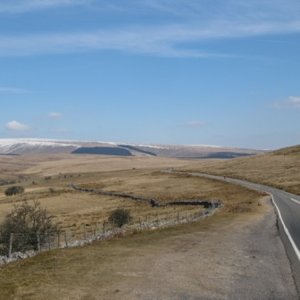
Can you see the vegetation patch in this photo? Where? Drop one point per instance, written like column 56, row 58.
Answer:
column 27, row 227
column 119, row 217
column 14, row 190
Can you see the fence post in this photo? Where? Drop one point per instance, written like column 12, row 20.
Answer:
column 11, row 238
column 49, row 243
column 95, row 230
column 58, row 239
column 38, row 242
column 66, row 239
column 83, row 231
column 104, row 225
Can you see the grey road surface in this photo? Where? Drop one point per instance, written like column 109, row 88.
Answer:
column 288, row 211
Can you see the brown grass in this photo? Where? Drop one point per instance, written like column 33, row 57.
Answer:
column 112, row 269
column 74, row 209
column 280, row 169
column 94, row 271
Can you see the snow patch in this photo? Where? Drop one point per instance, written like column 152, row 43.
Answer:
column 12, row 146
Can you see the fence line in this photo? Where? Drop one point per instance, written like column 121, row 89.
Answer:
column 97, row 231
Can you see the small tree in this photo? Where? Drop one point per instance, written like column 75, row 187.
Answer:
column 119, row 217
column 14, row 190
column 30, row 224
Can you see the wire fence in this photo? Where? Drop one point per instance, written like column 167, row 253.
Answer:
column 23, row 245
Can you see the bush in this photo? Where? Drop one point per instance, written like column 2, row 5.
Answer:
column 28, row 223
column 14, row 190
column 120, row 217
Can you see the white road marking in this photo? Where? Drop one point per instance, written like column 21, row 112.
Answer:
column 297, row 252
column 296, row 201
column 286, row 230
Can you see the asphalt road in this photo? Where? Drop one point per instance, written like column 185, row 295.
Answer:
column 288, row 211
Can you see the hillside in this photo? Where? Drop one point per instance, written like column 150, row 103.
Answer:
column 46, row 146
column 113, row 269
column 280, row 168
column 294, row 150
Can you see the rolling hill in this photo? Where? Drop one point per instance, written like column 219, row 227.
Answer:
column 280, row 168
column 46, row 146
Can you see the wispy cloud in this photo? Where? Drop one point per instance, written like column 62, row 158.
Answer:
column 55, row 115
column 181, row 24
column 220, row 9
column 291, row 102
column 169, row 40
column 16, row 126
column 194, row 124
column 12, row 90
column 21, row 6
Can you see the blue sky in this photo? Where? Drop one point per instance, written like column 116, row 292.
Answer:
column 152, row 71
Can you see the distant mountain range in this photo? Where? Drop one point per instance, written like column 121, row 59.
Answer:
column 46, row 146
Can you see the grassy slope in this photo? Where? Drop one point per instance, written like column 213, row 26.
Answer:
column 75, row 209
column 112, row 269
column 280, row 168
column 62, row 274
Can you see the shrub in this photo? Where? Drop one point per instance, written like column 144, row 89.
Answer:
column 28, row 223
column 14, row 190
column 119, row 217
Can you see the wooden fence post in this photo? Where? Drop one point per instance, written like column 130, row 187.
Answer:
column 104, row 225
column 84, row 231
column 95, row 230
column 38, row 239
column 11, row 238
column 66, row 239
column 58, row 240
column 49, row 243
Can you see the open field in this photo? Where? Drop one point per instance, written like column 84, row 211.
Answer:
column 218, row 258
column 48, row 181
column 215, row 258
column 280, row 169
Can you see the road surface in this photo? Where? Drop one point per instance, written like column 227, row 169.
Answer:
column 288, row 211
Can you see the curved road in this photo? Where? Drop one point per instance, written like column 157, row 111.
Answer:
column 288, row 210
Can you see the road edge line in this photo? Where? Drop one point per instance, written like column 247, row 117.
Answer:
column 285, row 229
column 295, row 248
column 294, row 200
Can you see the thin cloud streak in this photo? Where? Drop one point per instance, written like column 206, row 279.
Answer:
column 12, row 90
column 194, row 124
column 16, row 126
column 55, row 115
column 169, row 41
column 189, row 8
column 22, row 6
column 292, row 102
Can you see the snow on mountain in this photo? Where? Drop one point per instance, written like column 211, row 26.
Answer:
column 21, row 146
column 49, row 146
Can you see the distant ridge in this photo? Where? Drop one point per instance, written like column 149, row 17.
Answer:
column 293, row 150
column 47, row 146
